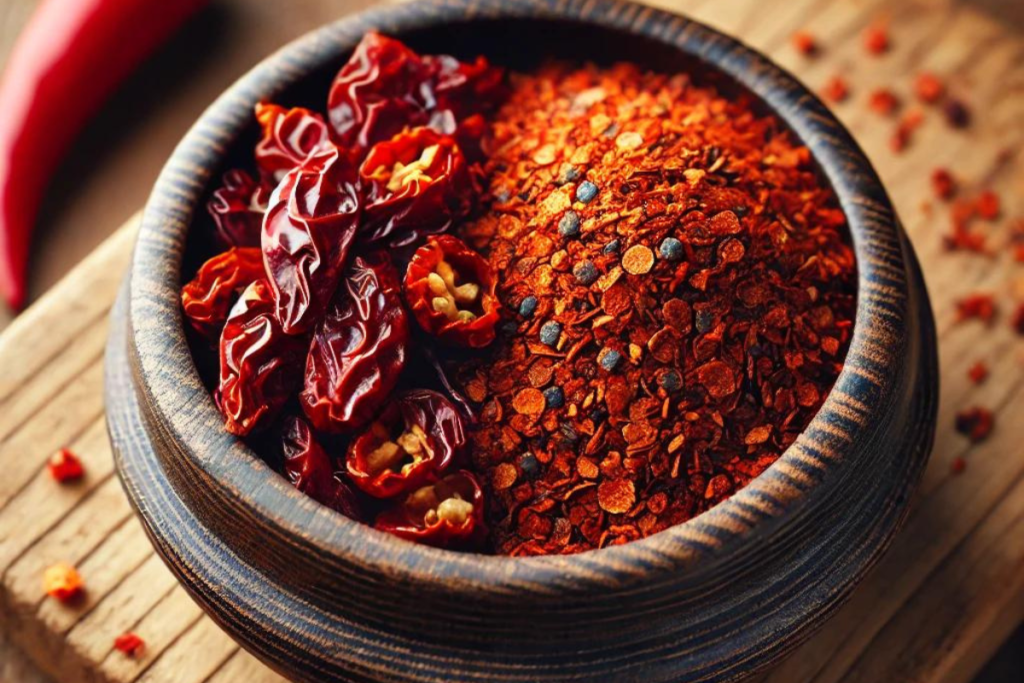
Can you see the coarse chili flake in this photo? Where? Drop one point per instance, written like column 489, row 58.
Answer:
column 685, row 293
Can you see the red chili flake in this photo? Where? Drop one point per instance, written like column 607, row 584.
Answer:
column 836, row 90
column 884, row 101
column 63, row 582
column 909, row 122
column 65, row 466
column 976, row 306
column 130, row 644
column 876, row 38
column 978, row 372
column 804, row 43
column 943, row 183
column 1018, row 318
column 975, row 423
column 956, row 113
column 1017, row 239
column 958, row 465
column 987, row 205
column 929, row 88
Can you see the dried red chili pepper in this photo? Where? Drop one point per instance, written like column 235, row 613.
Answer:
column 417, row 183
column 311, row 470
column 307, row 232
column 260, row 366
column 237, row 208
column 358, row 349
column 63, row 582
column 414, row 440
column 975, row 423
column 386, row 87
column 208, row 298
column 450, row 290
column 290, row 136
column 130, row 644
column 65, row 466
column 69, row 58
column 446, row 514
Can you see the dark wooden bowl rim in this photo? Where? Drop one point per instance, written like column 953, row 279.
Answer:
column 186, row 412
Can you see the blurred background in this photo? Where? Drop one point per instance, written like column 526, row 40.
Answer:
column 106, row 176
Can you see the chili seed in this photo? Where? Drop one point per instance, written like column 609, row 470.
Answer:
column 569, row 225
column 585, row 272
column 586, row 191
column 528, row 306
column 671, row 249
column 554, row 397
column 550, row 333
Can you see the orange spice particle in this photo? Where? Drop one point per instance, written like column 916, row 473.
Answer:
column 978, row 372
column 883, row 101
column 876, row 38
column 928, row 88
column 62, row 581
column 804, row 43
column 836, row 90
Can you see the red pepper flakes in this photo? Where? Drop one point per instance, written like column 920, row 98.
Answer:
column 836, row 90
column 978, row 372
column 975, row 423
column 956, row 113
column 977, row 307
column 130, row 644
column 804, row 43
column 63, row 582
column 943, row 183
column 876, row 38
column 884, row 101
column 987, row 205
column 958, row 465
column 65, row 466
column 1018, row 318
column 929, row 88
column 1017, row 239
column 909, row 122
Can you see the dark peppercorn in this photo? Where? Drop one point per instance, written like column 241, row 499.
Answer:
column 550, row 332
column 586, row 191
column 528, row 306
column 585, row 272
column 671, row 381
column 704, row 320
column 529, row 464
column 555, row 397
column 612, row 247
column 671, row 249
column 956, row 113
column 569, row 225
column 570, row 175
column 610, row 359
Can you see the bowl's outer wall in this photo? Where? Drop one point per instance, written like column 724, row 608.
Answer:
column 320, row 596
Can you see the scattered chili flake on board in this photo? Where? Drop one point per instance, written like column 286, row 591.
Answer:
column 909, row 122
column 65, row 466
column 876, row 38
column 883, row 101
column 836, row 90
column 63, row 582
column 943, row 183
column 130, row 644
column 681, row 319
column 975, row 423
column 978, row 306
column 987, row 205
column 929, row 88
column 958, row 465
column 804, row 43
column 978, row 372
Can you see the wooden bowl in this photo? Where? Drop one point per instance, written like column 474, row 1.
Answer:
column 319, row 597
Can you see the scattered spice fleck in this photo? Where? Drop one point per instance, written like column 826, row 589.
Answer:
column 804, row 43
column 929, row 88
column 876, row 38
column 62, row 581
column 943, row 183
column 884, row 101
column 987, row 205
column 65, row 466
column 836, row 90
column 956, row 113
column 978, row 372
column 130, row 644
column 1018, row 318
column 958, row 465
column 975, row 423
column 979, row 306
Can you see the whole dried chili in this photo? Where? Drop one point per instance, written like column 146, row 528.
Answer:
column 208, row 298
column 684, row 292
column 237, row 208
column 311, row 470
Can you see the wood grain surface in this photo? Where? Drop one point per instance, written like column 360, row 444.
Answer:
column 948, row 592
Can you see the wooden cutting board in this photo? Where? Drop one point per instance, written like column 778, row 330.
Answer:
column 943, row 599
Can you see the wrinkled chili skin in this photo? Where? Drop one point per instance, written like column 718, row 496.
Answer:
column 260, row 366
column 386, row 87
column 290, row 136
column 207, row 299
column 403, row 521
column 237, row 208
column 472, row 267
column 307, row 232
column 311, row 470
column 358, row 349
column 431, row 412
column 404, row 205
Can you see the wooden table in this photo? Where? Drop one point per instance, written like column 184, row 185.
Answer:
column 941, row 602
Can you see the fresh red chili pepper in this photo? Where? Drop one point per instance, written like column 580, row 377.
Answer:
column 67, row 61
column 65, row 466
column 208, row 298
column 448, row 513
column 290, row 136
column 237, row 208
column 260, row 366
column 416, row 183
column 312, row 470
column 415, row 438
column 451, row 292
column 358, row 349
column 307, row 233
